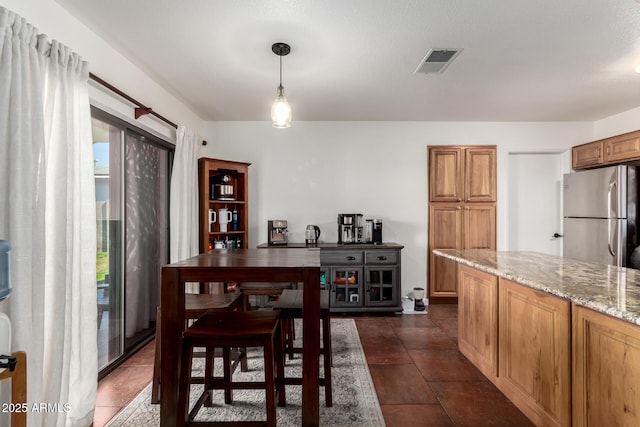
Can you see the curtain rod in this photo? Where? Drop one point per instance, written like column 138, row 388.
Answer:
column 141, row 109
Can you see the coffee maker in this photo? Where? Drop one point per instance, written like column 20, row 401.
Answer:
column 277, row 229
column 376, row 234
column 373, row 231
column 350, row 229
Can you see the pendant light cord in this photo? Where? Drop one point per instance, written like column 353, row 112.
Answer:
column 280, row 70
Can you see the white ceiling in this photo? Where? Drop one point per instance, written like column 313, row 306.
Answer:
column 533, row 60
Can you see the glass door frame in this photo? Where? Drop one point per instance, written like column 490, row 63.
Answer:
column 120, row 233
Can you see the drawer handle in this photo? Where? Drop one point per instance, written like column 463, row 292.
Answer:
column 351, row 258
column 382, row 258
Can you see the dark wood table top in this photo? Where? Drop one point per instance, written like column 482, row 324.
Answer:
column 251, row 258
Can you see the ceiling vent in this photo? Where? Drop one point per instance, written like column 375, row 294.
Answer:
column 437, row 60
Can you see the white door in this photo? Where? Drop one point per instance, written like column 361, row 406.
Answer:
column 534, row 202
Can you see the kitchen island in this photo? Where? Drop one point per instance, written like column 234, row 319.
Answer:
column 560, row 338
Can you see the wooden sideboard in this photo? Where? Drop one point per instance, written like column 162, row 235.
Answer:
column 360, row 277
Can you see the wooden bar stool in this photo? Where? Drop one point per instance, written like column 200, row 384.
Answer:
column 195, row 306
column 290, row 306
column 258, row 328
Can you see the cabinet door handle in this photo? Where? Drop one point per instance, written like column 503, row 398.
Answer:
column 382, row 258
column 351, row 258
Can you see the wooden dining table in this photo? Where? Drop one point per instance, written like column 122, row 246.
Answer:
column 239, row 265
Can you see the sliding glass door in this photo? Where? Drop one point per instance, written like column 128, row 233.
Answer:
column 132, row 205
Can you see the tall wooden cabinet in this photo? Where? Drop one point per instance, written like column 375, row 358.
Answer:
column 212, row 173
column 462, row 210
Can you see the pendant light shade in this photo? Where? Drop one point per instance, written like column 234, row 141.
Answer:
column 281, row 110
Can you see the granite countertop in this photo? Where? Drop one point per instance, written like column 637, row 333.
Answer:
column 605, row 288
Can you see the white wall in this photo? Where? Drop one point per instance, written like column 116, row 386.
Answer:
column 311, row 172
column 624, row 122
column 104, row 61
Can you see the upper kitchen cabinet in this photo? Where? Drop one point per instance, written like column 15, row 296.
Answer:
column 224, row 204
column 618, row 149
column 622, row 148
column 462, row 174
column 587, row 155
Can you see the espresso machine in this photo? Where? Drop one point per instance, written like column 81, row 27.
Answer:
column 277, row 229
column 350, row 229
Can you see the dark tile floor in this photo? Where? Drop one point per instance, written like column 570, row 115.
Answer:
column 420, row 377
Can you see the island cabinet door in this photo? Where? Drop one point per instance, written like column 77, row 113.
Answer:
column 478, row 319
column 606, row 370
column 534, row 353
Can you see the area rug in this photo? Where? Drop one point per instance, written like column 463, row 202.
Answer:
column 354, row 397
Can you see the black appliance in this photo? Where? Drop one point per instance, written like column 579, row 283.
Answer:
column 376, row 234
column 221, row 187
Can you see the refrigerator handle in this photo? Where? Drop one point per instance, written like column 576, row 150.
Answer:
column 609, row 215
column 613, row 240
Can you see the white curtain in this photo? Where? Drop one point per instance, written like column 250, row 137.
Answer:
column 47, row 212
column 183, row 204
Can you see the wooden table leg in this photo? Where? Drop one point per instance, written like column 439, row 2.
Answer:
column 171, row 328
column 311, row 347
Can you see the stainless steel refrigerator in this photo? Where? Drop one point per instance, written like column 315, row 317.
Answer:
column 600, row 215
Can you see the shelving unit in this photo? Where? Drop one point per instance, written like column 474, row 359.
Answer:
column 210, row 172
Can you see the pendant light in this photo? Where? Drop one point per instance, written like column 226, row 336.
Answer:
column 281, row 110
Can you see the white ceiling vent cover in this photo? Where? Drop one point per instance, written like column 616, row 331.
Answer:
column 437, row 60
